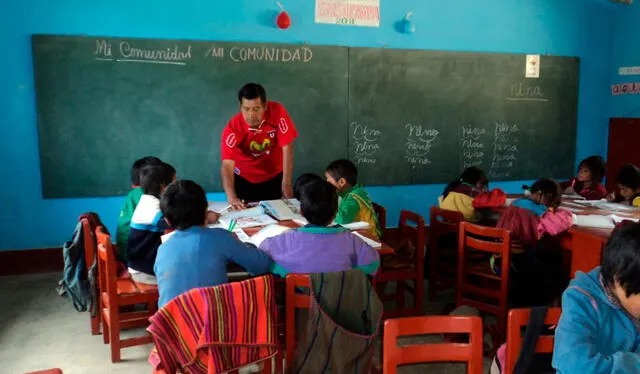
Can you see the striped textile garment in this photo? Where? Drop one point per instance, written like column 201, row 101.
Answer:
column 216, row 329
column 342, row 326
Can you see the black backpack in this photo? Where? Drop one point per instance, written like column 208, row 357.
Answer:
column 530, row 362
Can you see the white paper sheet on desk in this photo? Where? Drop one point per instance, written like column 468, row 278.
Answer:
column 618, row 219
column 589, row 202
column 268, row 232
column 615, row 207
column 593, row 220
column 219, row 206
column 572, row 197
column 251, row 212
column 279, row 209
column 509, row 201
column 572, row 208
column 372, row 243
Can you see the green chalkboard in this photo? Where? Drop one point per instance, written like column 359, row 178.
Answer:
column 423, row 116
column 403, row 116
column 104, row 102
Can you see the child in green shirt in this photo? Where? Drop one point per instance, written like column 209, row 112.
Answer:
column 355, row 204
column 130, row 203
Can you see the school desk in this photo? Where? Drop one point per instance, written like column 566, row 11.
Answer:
column 585, row 243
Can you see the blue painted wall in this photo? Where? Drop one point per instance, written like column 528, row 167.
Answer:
column 560, row 27
column 625, row 52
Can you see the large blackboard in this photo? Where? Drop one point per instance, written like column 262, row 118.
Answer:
column 403, row 116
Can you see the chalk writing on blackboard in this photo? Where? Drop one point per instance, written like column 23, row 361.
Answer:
column 174, row 54
column 473, row 149
column 505, row 149
column 522, row 92
column 365, row 143
column 418, row 144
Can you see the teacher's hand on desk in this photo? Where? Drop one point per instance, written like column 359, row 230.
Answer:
column 236, row 204
column 287, row 190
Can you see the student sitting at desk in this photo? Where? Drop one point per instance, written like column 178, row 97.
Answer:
column 147, row 223
column 355, row 204
column 458, row 196
column 599, row 330
column 302, row 181
column 628, row 181
column 318, row 247
column 588, row 183
column 130, row 203
column 196, row 256
column 537, row 277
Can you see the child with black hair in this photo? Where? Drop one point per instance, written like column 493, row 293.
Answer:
column 130, row 203
column 529, row 220
column 302, row 181
column 196, row 256
column 628, row 181
column 458, row 196
column 588, row 183
column 147, row 223
column 355, row 203
column 319, row 247
column 599, row 329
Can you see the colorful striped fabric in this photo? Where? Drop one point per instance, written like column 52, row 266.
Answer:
column 216, row 329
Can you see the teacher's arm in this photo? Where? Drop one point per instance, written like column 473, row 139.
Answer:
column 226, row 172
column 287, row 170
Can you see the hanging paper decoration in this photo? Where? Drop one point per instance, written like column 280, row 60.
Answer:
column 283, row 20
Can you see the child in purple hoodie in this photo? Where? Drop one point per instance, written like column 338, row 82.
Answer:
column 318, row 247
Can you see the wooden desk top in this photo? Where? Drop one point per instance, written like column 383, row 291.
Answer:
column 575, row 208
column 384, row 250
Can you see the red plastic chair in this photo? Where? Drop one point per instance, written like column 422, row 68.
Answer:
column 412, row 228
column 442, row 260
column 471, row 352
column 519, row 318
column 477, row 285
column 117, row 292
column 294, row 300
column 381, row 212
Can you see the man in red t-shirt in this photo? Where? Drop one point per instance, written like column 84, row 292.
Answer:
column 257, row 150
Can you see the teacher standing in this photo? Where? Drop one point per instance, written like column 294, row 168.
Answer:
column 257, row 150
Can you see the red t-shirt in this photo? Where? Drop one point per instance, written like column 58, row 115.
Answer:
column 258, row 152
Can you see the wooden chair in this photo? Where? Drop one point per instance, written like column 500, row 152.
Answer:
column 381, row 212
column 444, row 224
column 411, row 228
column 294, row 300
column 115, row 293
column 48, row 371
column 477, row 285
column 519, row 318
column 471, row 352
column 90, row 251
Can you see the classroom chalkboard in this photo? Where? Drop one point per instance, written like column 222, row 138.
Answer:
column 403, row 116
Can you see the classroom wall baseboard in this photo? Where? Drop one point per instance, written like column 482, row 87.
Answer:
column 30, row 261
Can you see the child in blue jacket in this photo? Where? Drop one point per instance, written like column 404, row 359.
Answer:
column 599, row 330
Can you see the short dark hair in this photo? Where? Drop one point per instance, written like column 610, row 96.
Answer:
column 621, row 259
column 154, row 177
column 184, row 204
column 319, row 202
column 549, row 190
column 596, row 165
column 302, row 181
column 252, row 91
column 139, row 164
column 343, row 168
column 629, row 176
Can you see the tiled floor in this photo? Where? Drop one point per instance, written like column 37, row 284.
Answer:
column 39, row 329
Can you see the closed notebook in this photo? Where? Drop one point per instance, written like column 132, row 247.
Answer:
column 593, row 220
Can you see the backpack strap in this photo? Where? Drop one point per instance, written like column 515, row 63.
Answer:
column 369, row 206
column 531, row 335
